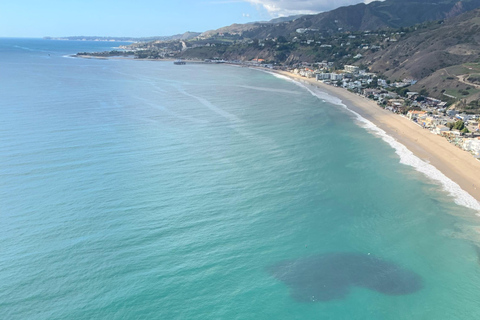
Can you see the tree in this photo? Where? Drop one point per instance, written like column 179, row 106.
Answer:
column 459, row 125
column 420, row 98
column 402, row 91
column 374, row 83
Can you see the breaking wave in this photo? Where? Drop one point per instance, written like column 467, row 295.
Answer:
column 407, row 157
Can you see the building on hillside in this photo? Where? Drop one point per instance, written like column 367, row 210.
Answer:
column 451, row 113
column 410, row 82
column 412, row 95
column 351, row 69
column 432, row 102
column 441, row 106
column 382, row 82
column 464, row 117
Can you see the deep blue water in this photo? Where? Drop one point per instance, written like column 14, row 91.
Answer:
column 144, row 190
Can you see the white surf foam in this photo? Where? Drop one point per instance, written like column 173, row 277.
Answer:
column 237, row 123
column 461, row 197
column 270, row 90
column 227, row 115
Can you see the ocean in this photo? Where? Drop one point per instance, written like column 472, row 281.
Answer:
column 145, row 190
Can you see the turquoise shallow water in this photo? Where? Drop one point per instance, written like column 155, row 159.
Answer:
column 144, row 190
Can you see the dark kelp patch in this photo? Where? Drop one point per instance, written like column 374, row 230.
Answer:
column 330, row 276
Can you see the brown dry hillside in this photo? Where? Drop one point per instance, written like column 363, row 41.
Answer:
column 422, row 53
column 373, row 16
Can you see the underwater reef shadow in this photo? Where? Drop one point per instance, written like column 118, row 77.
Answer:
column 330, row 276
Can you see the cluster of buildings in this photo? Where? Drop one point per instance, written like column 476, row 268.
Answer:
column 441, row 123
column 430, row 113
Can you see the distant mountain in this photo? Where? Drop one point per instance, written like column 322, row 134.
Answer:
column 184, row 36
column 279, row 20
column 237, row 28
column 373, row 16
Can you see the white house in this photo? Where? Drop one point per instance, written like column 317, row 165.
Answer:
column 336, row 76
column 351, row 69
column 440, row 129
column 323, row 76
column 473, row 146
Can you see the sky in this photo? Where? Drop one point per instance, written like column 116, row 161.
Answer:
column 143, row 18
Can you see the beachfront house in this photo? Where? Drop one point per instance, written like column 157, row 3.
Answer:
column 440, row 129
column 396, row 105
column 336, row 76
column 352, row 85
column 372, row 93
column 415, row 114
column 323, row 76
column 431, row 121
column 395, row 102
column 307, row 73
column 473, row 146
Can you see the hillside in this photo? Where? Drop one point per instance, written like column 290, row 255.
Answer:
column 237, row 28
column 373, row 16
column 440, row 57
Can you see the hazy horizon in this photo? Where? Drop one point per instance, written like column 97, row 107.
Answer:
column 54, row 18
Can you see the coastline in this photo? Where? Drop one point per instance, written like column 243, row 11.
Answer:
column 454, row 163
column 457, row 165
column 132, row 58
column 117, row 58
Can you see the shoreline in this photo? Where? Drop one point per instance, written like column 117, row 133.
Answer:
column 456, row 164
column 132, row 58
column 116, row 58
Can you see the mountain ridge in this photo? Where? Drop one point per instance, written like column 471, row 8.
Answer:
column 359, row 17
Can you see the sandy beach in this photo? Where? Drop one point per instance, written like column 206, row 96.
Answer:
column 458, row 165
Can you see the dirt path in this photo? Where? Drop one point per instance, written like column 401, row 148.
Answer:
column 462, row 78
